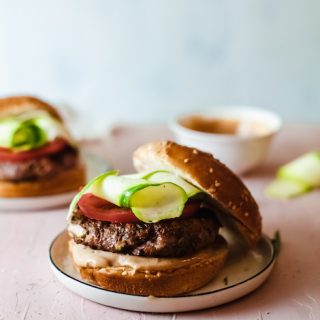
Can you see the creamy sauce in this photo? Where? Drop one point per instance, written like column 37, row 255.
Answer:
column 76, row 230
column 87, row 257
column 211, row 125
column 225, row 126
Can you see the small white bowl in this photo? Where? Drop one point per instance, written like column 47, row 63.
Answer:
column 240, row 152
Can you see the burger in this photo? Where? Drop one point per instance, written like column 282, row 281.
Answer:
column 157, row 232
column 37, row 154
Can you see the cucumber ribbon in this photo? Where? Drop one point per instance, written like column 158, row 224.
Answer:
column 296, row 177
column 152, row 197
column 22, row 133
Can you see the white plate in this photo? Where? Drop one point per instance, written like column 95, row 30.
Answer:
column 94, row 166
column 245, row 270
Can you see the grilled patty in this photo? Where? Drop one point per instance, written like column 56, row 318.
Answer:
column 167, row 238
column 40, row 167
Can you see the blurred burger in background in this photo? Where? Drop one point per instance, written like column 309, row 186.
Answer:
column 37, row 154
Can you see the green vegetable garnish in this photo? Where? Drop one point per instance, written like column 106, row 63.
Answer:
column 297, row 177
column 304, row 170
column 150, row 201
column 164, row 175
column 155, row 202
column 92, row 186
column 285, row 189
column 30, row 131
column 28, row 136
column 276, row 242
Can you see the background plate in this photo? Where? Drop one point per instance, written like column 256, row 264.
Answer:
column 94, row 166
column 244, row 271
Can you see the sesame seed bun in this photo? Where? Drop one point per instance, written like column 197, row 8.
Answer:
column 12, row 106
column 233, row 201
column 65, row 181
column 181, row 276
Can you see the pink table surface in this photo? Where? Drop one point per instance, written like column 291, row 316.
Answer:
column 28, row 289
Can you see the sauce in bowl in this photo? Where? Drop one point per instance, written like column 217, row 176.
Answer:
column 238, row 136
column 225, row 126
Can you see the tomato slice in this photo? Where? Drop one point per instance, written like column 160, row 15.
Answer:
column 50, row 148
column 191, row 208
column 100, row 209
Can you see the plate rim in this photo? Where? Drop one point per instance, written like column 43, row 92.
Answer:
column 188, row 295
column 46, row 202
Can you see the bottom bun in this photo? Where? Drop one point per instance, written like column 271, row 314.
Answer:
column 64, row 181
column 160, row 283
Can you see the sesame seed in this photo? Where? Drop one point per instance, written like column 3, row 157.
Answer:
column 244, row 197
column 211, row 170
column 217, row 183
column 229, row 203
column 195, row 151
column 186, row 160
column 246, row 214
column 234, row 207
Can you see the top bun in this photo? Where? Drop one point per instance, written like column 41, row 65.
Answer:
column 236, row 206
column 12, row 106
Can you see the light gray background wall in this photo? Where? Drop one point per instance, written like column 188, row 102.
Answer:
column 147, row 60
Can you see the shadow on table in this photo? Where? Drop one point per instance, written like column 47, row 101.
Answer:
column 293, row 286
